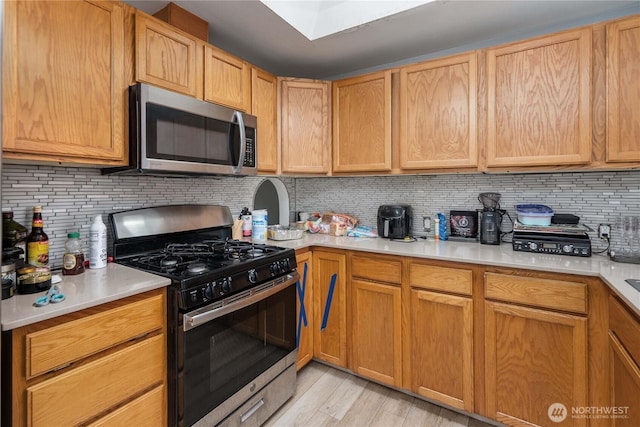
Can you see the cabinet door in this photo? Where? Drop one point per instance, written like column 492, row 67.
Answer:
column 304, row 309
column 538, row 105
column 64, row 82
column 264, row 106
column 305, row 126
column 376, row 331
column 438, row 113
column 166, row 56
column 362, row 123
column 330, row 307
column 441, row 343
column 625, row 385
column 86, row 391
column 623, row 90
column 227, row 79
column 534, row 358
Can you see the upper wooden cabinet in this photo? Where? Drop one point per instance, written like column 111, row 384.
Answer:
column 362, row 123
column 305, row 126
column 227, row 79
column 623, row 90
column 538, row 101
column 166, row 56
column 438, row 113
column 63, row 84
column 264, row 105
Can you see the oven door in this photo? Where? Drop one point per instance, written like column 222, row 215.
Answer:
column 230, row 344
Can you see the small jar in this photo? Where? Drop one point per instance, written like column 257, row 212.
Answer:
column 73, row 260
column 8, row 279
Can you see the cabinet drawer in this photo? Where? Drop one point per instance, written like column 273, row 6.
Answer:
column 545, row 293
column 625, row 327
column 80, row 394
column 71, row 341
column 444, row 279
column 147, row 410
column 377, row 269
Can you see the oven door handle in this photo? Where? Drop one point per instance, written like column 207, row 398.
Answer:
column 236, row 302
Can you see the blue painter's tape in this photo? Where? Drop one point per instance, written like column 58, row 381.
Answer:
column 302, row 317
column 327, row 308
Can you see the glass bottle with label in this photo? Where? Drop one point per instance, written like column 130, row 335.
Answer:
column 14, row 234
column 37, row 241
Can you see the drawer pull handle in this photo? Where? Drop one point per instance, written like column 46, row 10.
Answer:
column 244, row 417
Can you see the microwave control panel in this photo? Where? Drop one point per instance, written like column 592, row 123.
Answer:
column 250, row 154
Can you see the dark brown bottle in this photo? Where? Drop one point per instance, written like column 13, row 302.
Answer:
column 14, row 235
column 37, row 241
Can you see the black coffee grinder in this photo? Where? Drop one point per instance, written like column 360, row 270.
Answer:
column 491, row 218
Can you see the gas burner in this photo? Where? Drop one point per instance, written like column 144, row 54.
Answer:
column 170, row 261
column 255, row 252
column 197, row 268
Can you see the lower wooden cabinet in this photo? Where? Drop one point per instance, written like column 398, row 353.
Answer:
column 376, row 331
column 140, row 412
column 503, row 343
column 442, row 348
column 98, row 366
column 304, row 309
column 624, row 345
column 534, row 358
column 330, row 307
column 439, row 357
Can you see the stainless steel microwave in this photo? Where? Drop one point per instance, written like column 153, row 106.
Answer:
column 174, row 134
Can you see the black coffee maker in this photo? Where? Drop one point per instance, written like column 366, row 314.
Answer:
column 491, row 218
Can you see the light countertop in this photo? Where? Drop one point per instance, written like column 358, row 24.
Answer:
column 612, row 273
column 95, row 287
column 91, row 288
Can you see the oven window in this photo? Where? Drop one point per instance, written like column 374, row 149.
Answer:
column 226, row 354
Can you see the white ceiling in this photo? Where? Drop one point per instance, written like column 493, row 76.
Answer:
column 252, row 31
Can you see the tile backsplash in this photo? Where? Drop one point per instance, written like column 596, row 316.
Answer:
column 596, row 197
column 71, row 197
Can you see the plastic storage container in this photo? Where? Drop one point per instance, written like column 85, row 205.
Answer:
column 259, row 225
column 279, row 232
column 534, row 214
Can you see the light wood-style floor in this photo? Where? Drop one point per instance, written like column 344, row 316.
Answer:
column 329, row 397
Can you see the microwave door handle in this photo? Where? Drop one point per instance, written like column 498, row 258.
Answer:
column 243, row 141
column 386, row 228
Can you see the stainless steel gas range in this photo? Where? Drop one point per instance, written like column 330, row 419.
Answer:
column 231, row 312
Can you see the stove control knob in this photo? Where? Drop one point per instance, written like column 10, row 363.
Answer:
column 533, row 246
column 253, row 276
column 208, row 291
column 567, row 248
column 226, row 285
